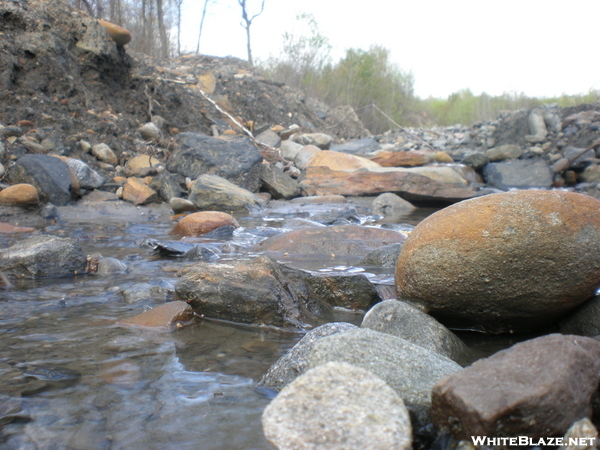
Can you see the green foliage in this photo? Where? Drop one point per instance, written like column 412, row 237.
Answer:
column 367, row 77
column 465, row 108
column 305, row 54
column 379, row 91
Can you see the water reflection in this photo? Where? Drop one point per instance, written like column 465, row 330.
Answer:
column 190, row 389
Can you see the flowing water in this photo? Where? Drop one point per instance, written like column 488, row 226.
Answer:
column 71, row 378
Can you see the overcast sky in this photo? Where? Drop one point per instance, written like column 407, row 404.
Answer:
column 537, row 47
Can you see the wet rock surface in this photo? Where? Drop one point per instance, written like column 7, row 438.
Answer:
column 532, row 380
column 43, row 256
column 493, row 263
column 335, row 240
column 254, row 291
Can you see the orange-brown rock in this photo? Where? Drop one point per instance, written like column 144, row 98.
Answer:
column 442, row 157
column 164, row 317
column 412, row 186
column 118, row 34
column 340, row 161
column 512, row 261
column 401, row 159
column 203, row 222
column 138, row 193
column 7, row 228
column 142, row 162
column 19, row 195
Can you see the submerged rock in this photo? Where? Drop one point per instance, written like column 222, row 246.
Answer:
column 166, row 317
column 493, row 263
column 547, row 383
column 43, row 256
column 337, row 240
column 337, row 406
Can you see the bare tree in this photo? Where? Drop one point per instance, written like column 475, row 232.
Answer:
column 247, row 22
column 206, row 3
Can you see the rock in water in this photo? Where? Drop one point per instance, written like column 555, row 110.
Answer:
column 246, row 291
column 337, row 406
column 536, row 388
column 43, row 256
column 203, row 222
column 510, row 261
column 167, row 317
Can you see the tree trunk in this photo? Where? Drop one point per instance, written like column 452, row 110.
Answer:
column 248, row 46
column 164, row 40
column 201, row 24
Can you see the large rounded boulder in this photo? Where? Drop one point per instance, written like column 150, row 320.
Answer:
column 513, row 261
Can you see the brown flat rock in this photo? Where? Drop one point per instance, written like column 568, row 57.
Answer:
column 340, row 240
column 163, row 317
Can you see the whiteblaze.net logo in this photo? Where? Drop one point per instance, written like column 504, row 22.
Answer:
column 522, row 441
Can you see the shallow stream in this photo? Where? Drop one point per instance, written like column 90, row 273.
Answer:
column 70, row 378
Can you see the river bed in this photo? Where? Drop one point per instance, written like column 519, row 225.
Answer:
column 81, row 381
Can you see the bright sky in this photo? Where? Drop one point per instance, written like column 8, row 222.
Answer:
column 541, row 48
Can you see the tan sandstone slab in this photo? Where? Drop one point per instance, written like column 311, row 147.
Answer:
column 412, row 186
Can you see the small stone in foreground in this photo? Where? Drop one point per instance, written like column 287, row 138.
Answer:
column 337, row 406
